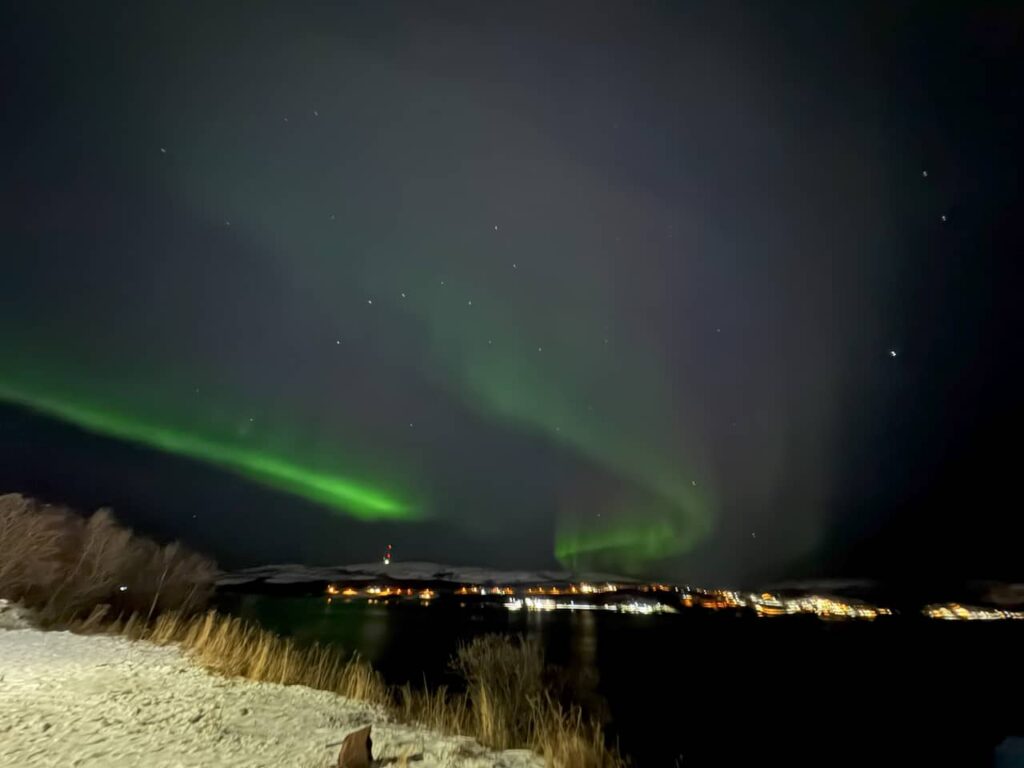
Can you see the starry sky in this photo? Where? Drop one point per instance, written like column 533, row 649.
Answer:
column 716, row 291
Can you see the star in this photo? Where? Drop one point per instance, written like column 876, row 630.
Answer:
column 369, row 301
column 943, row 217
column 753, row 534
column 540, row 349
column 403, row 295
column 315, row 113
column 442, row 282
column 286, row 119
column 163, row 150
column 227, row 223
column 332, row 217
column 693, row 483
column 718, row 330
column 495, row 227
column 489, row 342
column 337, row 341
column 892, row 353
column 251, row 419
column 515, row 266
column 410, row 423
column 924, row 174
column 469, row 303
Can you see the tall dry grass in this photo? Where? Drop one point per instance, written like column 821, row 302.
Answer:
column 505, row 702
column 63, row 564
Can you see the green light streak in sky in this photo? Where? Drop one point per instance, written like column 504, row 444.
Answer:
column 611, row 404
column 339, row 493
column 620, row 545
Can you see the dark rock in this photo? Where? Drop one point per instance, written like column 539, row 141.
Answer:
column 356, row 750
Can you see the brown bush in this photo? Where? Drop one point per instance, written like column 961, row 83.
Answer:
column 65, row 565
column 31, row 548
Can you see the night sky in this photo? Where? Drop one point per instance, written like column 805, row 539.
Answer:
column 715, row 291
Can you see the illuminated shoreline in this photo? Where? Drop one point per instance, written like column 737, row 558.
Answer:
column 658, row 598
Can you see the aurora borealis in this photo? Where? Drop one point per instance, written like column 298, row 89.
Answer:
column 599, row 286
column 336, row 492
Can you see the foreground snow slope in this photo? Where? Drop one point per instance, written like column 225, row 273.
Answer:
column 105, row 701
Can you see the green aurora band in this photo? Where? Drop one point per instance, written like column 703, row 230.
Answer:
column 625, row 545
column 339, row 493
column 617, row 410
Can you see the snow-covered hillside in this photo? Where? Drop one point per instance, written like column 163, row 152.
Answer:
column 406, row 571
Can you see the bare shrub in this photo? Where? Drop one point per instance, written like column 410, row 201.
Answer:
column 65, row 565
column 30, row 548
column 178, row 579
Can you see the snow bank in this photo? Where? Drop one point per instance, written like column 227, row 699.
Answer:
column 14, row 616
column 106, row 701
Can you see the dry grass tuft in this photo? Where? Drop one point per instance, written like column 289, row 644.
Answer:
column 236, row 648
column 504, row 683
column 508, row 703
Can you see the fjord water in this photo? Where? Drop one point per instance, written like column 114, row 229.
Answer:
column 699, row 688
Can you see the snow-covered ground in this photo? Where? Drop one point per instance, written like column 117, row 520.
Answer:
column 73, row 700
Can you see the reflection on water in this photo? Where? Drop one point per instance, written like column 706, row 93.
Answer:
column 373, row 630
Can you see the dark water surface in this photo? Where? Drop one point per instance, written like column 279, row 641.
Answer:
column 710, row 689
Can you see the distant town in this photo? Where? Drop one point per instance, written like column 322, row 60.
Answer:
column 430, row 583
column 661, row 598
